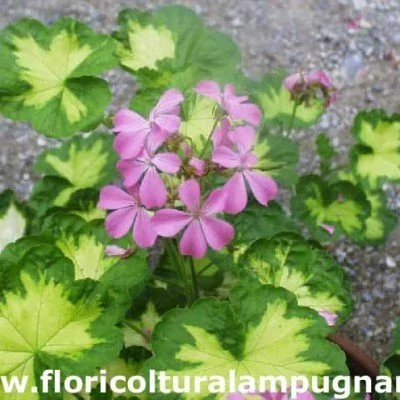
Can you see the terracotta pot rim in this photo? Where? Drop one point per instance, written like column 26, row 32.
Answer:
column 360, row 363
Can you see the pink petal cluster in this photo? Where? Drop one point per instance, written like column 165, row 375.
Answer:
column 304, row 86
column 199, row 223
column 144, row 165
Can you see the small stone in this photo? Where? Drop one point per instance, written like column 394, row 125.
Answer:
column 390, row 262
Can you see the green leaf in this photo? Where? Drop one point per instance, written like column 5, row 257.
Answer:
column 264, row 333
column 287, row 260
column 326, row 152
column 376, row 157
column 119, row 280
column 174, row 34
column 43, row 327
column 257, row 221
column 382, row 220
column 49, row 75
column 278, row 155
column 340, row 205
column 324, row 147
column 138, row 332
column 277, row 105
column 86, row 162
column 13, row 220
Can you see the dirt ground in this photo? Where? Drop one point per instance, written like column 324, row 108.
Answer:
column 356, row 41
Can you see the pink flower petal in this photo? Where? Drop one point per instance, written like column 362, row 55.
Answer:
column 198, row 166
column 143, row 232
column 169, row 123
column 330, row 318
column 129, row 145
column 116, row 251
column 167, row 162
column 189, row 193
column 112, row 198
column 245, row 111
column 230, row 95
column 215, row 202
column 328, row 228
column 236, row 194
column 220, row 136
column 319, row 77
column 120, row 221
column 226, row 157
column 217, row 232
column 292, row 81
column 209, row 89
column 152, row 191
column 155, row 139
column 169, row 222
column 132, row 171
column 244, row 137
column 193, row 242
column 127, row 121
column 168, row 103
column 263, row 187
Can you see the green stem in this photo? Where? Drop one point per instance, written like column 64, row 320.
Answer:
column 292, row 117
column 209, row 137
column 194, row 278
column 205, row 269
column 183, row 272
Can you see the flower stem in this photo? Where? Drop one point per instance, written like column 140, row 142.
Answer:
column 292, row 117
column 178, row 261
column 209, row 137
column 194, row 278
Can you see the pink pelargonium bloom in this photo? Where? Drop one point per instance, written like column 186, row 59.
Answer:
column 237, row 107
column 127, row 213
column 146, row 168
column 243, row 161
column 200, row 224
column 132, row 129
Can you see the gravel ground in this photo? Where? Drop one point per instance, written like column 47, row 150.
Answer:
column 274, row 33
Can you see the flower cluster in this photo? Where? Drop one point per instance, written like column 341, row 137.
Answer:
column 164, row 191
column 305, row 87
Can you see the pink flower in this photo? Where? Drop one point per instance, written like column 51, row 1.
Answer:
column 146, row 168
column 243, row 161
column 237, row 107
column 128, row 213
column 330, row 318
column 198, row 166
column 132, row 129
column 200, row 224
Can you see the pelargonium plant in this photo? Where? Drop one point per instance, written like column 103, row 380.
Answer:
column 154, row 239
